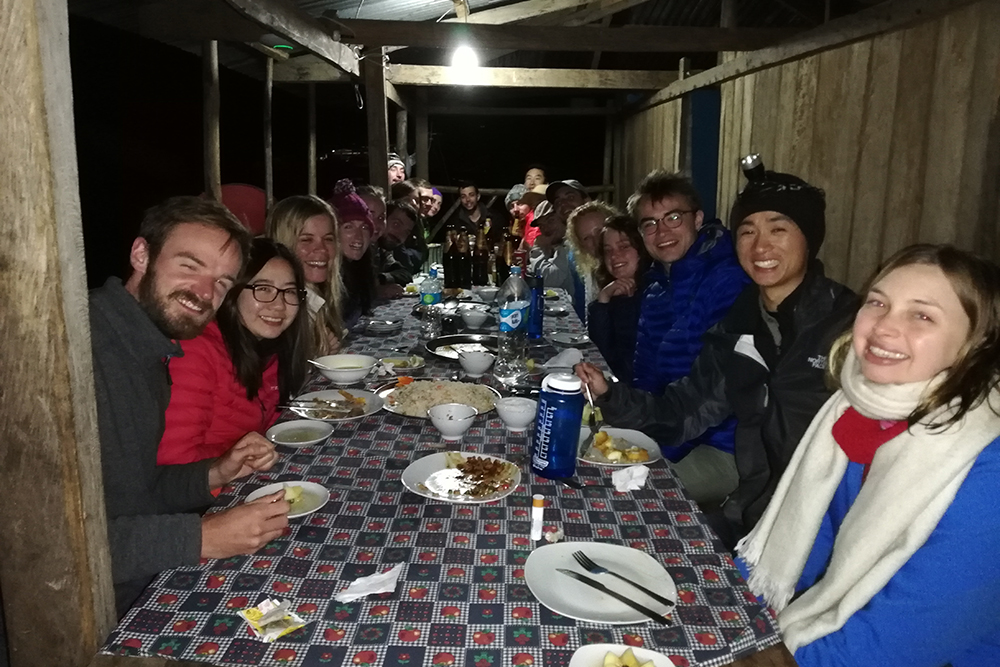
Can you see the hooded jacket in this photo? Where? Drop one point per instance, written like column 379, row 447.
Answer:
column 679, row 305
column 773, row 387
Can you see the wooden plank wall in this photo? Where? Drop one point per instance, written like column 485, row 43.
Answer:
column 902, row 131
column 648, row 141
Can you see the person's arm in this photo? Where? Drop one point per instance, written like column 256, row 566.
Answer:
column 554, row 269
column 143, row 545
column 192, row 402
column 391, row 272
column 684, row 410
column 942, row 602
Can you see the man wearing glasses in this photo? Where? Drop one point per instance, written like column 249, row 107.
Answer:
column 187, row 257
column 694, row 281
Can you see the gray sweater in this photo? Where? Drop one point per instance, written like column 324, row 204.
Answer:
column 153, row 519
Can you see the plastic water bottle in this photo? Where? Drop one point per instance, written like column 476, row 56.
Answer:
column 514, row 299
column 536, row 313
column 430, row 289
column 557, row 426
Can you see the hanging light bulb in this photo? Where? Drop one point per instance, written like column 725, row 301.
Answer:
column 464, row 59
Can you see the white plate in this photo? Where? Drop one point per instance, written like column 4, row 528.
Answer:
column 386, row 390
column 592, row 655
column 556, row 310
column 314, row 496
column 373, row 403
column 575, row 599
column 569, row 340
column 299, row 433
column 431, row 478
column 637, row 438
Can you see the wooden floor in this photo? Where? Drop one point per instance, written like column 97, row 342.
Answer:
column 776, row 656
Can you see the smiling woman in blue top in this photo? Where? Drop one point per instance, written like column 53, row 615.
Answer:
column 880, row 544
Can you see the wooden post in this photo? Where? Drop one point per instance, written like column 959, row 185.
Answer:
column 682, row 136
column 609, row 143
column 378, row 119
column 401, row 139
column 268, row 148
column 423, row 138
column 312, row 138
column 56, row 568
column 210, row 118
column 618, row 165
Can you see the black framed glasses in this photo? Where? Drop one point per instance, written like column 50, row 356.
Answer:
column 268, row 293
column 672, row 220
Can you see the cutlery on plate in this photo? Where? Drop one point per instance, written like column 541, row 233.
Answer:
column 594, row 568
column 591, row 422
column 659, row 618
column 319, row 365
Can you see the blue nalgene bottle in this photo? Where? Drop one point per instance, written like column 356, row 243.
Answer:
column 557, row 426
column 537, row 310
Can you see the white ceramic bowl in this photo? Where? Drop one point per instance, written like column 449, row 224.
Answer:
column 475, row 363
column 473, row 317
column 487, row 292
column 517, row 413
column 345, row 368
column 299, row 433
column 452, row 419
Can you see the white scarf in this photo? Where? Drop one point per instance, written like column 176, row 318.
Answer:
column 912, row 481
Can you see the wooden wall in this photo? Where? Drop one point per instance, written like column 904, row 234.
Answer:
column 902, row 131
column 647, row 140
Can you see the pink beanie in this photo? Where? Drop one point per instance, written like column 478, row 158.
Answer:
column 349, row 205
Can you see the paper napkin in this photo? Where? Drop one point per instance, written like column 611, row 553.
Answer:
column 383, row 582
column 565, row 359
column 632, row 478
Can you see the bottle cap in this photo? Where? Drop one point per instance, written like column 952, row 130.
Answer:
column 562, row 382
column 538, row 500
column 516, row 270
column 434, row 273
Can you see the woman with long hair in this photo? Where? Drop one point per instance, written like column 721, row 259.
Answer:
column 248, row 361
column 880, row 543
column 308, row 225
column 357, row 262
column 583, row 233
column 614, row 315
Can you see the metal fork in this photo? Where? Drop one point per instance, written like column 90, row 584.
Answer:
column 591, row 422
column 594, row 568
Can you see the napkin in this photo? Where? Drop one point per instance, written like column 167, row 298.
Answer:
column 383, row 582
column 632, row 478
column 565, row 359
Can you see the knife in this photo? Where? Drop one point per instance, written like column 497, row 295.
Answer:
column 659, row 618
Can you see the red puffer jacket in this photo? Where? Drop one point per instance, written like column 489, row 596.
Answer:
column 209, row 410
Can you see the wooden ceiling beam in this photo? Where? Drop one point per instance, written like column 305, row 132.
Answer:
column 626, row 39
column 305, row 69
column 299, row 28
column 519, row 11
column 886, row 17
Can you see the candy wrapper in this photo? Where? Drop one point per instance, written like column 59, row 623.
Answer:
column 272, row 619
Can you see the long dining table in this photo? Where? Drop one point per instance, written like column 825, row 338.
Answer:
column 462, row 598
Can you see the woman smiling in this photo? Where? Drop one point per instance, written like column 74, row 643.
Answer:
column 879, row 545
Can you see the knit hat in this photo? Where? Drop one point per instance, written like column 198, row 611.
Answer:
column 788, row 195
column 396, row 161
column 349, row 205
column 514, row 195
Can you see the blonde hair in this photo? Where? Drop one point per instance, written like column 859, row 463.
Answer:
column 976, row 371
column 284, row 224
column 585, row 262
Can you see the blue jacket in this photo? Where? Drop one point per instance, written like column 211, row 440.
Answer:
column 941, row 606
column 677, row 309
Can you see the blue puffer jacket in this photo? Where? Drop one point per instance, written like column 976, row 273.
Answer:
column 678, row 308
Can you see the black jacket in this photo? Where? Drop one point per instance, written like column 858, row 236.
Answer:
column 773, row 387
column 612, row 326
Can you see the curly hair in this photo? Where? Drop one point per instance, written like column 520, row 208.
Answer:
column 627, row 226
column 976, row 372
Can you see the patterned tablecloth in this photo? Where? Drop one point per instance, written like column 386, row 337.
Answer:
column 462, row 597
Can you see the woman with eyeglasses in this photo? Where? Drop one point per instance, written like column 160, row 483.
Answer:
column 232, row 377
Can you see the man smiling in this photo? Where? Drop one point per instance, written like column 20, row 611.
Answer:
column 188, row 254
column 764, row 362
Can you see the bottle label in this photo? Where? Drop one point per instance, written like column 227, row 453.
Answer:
column 512, row 319
column 430, row 298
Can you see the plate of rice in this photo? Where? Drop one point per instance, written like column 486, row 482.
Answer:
column 415, row 398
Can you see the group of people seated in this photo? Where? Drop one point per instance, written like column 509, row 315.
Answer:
column 844, row 448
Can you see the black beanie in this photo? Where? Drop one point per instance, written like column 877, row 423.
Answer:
column 790, row 196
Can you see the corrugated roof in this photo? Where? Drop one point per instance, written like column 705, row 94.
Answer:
column 399, row 10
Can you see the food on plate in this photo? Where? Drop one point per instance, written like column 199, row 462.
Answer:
column 607, row 449
column 586, row 414
column 300, row 434
column 412, row 361
column 412, row 288
column 480, row 476
column 323, row 408
column 417, row 397
column 626, row 659
column 550, row 294
column 293, row 494
column 459, row 348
